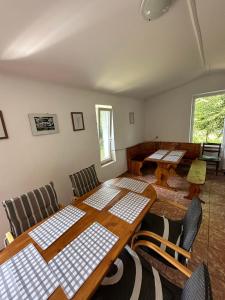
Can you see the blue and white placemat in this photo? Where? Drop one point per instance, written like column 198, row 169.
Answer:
column 75, row 263
column 172, row 158
column 26, row 276
column 176, row 153
column 50, row 230
column 101, row 198
column 158, row 154
column 132, row 185
column 129, row 207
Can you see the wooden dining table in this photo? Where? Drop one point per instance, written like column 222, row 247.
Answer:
column 167, row 162
column 116, row 225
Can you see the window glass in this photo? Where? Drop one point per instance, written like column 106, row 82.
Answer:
column 105, row 133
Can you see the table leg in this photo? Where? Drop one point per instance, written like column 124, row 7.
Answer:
column 194, row 191
column 162, row 174
column 172, row 171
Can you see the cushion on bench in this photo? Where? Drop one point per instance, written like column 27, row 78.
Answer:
column 29, row 209
column 197, row 172
column 84, row 181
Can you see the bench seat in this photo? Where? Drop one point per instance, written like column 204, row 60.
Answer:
column 196, row 177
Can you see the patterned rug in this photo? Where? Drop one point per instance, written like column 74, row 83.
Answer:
column 210, row 242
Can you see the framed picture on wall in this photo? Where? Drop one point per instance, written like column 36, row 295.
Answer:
column 77, row 121
column 43, row 124
column 131, row 117
column 3, row 131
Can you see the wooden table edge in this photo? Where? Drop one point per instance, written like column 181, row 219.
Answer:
column 24, row 239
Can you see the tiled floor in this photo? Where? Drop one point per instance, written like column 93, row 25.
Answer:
column 209, row 245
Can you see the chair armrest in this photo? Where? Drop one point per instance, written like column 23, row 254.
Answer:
column 161, row 240
column 9, row 237
column 165, row 255
column 177, row 205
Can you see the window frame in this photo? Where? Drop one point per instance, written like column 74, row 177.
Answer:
column 108, row 109
column 194, row 98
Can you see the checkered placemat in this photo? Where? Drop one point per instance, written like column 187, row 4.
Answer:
column 49, row 231
column 172, row 158
column 132, row 185
column 75, row 263
column 26, row 276
column 129, row 207
column 161, row 151
column 177, row 153
column 156, row 156
column 101, row 198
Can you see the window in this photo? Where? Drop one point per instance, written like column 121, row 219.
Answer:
column 105, row 133
column 208, row 119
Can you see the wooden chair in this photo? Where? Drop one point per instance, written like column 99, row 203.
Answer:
column 171, row 235
column 28, row 209
column 131, row 277
column 207, row 150
column 84, row 181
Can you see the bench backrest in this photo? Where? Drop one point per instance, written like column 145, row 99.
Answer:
column 193, row 150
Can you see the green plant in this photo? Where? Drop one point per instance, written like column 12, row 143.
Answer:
column 209, row 119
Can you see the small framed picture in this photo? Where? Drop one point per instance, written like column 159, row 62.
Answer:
column 3, row 131
column 131, row 117
column 77, row 121
column 43, row 124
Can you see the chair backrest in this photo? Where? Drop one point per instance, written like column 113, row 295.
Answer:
column 191, row 224
column 198, row 286
column 84, row 181
column 28, row 209
column 213, row 148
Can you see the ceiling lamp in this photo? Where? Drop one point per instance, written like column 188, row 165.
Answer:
column 153, row 9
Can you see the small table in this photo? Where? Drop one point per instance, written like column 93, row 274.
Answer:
column 119, row 227
column 167, row 161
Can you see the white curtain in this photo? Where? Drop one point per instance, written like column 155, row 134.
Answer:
column 223, row 148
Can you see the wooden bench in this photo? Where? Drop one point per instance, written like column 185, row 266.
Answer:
column 136, row 154
column 196, row 178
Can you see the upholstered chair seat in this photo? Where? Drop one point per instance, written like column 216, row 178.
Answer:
column 131, row 277
column 181, row 232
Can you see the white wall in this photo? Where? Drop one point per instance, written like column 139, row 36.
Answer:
column 28, row 161
column 168, row 115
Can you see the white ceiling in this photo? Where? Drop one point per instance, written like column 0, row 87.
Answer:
column 105, row 45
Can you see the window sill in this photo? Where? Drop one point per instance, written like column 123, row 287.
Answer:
column 108, row 163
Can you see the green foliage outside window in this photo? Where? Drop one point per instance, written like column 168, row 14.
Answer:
column 209, row 117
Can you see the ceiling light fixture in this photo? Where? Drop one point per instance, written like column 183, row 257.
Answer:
column 153, row 9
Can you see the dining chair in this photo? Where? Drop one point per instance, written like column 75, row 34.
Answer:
column 29, row 209
column 84, row 181
column 211, row 154
column 132, row 277
column 170, row 234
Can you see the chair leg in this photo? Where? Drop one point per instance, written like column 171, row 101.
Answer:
column 217, row 167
